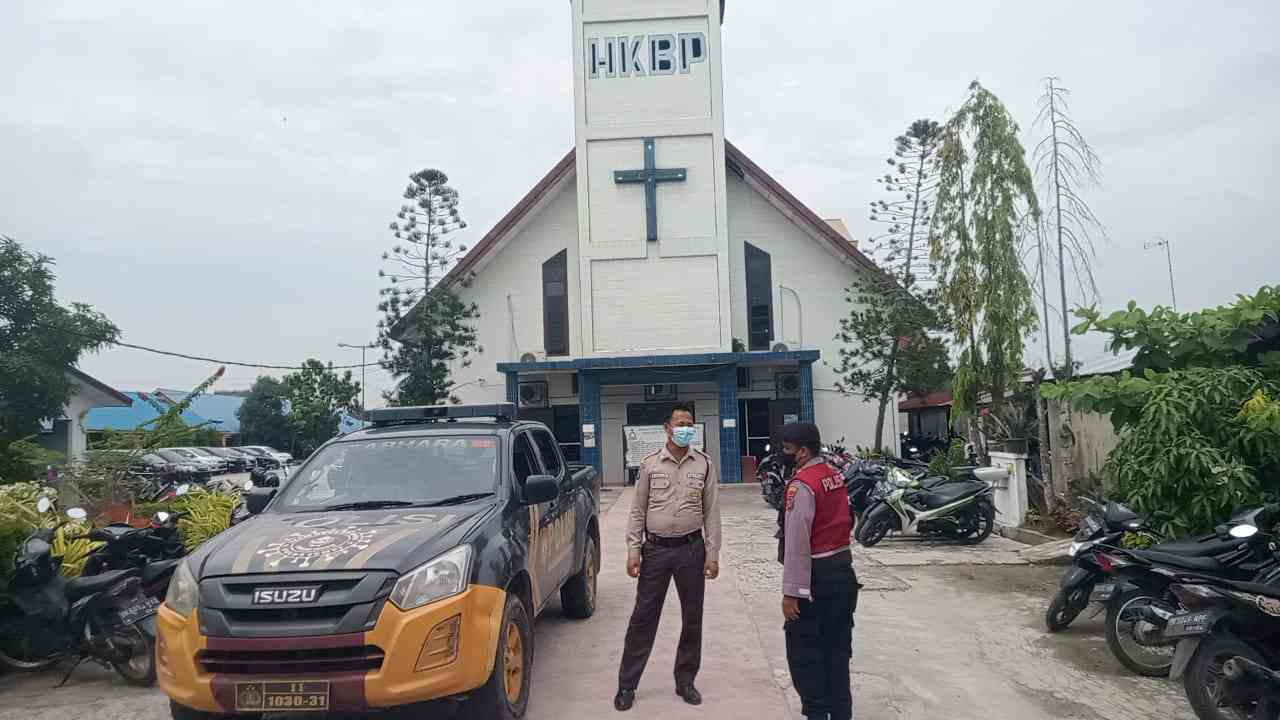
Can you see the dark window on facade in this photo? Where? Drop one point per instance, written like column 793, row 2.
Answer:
column 555, row 304
column 759, row 299
column 547, row 449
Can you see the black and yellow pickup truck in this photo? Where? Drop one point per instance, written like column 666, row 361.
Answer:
column 400, row 564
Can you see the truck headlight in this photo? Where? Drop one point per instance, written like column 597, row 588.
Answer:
column 184, row 593
column 440, row 578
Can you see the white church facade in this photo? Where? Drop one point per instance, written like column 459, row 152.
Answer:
column 657, row 263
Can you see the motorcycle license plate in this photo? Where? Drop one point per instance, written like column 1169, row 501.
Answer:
column 312, row 696
column 139, row 611
column 1187, row 625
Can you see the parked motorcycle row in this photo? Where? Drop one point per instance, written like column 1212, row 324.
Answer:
column 107, row 615
column 1204, row 610
column 896, row 495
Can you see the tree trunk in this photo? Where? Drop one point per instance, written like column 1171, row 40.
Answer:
column 884, row 395
column 1046, row 454
column 1044, row 297
column 1062, row 268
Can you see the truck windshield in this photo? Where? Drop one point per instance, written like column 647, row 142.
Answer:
column 418, row 471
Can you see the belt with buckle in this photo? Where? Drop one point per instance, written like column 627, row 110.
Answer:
column 681, row 541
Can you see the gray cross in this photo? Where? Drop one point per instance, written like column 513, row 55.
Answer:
column 651, row 175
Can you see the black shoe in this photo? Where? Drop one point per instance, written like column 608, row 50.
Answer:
column 689, row 694
column 624, row 699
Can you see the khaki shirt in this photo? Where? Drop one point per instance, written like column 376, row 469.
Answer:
column 675, row 498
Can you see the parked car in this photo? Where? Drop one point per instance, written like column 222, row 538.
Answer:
column 266, row 460
column 433, row 548
column 283, row 458
column 205, row 468
column 237, row 462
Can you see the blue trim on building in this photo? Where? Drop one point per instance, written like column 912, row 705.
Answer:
column 513, row 387
column 806, row 392
column 589, row 414
column 644, row 361
column 730, row 453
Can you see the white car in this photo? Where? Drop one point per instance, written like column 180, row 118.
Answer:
column 283, row 458
column 206, row 463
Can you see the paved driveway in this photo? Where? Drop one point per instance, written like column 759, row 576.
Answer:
column 943, row 632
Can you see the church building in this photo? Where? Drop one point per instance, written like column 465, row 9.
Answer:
column 657, row 263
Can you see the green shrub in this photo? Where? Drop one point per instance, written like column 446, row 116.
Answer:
column 204, row 514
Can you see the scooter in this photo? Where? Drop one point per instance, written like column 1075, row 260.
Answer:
column 104, row 618
column 1228, row 640
column 1084, row 582
column 1138, row 611
column 962, row 510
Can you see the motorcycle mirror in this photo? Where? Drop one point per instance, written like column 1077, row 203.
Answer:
column 76, row 513
column 162, row 516
column 248, row 485
column 182, row 489
column 43, row 505
column 1243, row 531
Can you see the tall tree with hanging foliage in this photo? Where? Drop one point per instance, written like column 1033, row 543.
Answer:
column 894, row 312
column 984, row 187
column 1064, row 164
column 426, row 328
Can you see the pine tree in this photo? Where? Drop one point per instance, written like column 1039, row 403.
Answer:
column 426, row 328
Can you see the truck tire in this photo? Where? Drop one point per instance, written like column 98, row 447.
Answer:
column 182, row 712
column 505, row 696
column 578, row 595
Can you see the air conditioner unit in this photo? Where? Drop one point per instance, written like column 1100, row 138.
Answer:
column 528, row 358
column 659, row 393
column 533, row 394
column 780, row 347
column 787, row 384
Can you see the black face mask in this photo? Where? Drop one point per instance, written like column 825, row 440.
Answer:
column 788, row 460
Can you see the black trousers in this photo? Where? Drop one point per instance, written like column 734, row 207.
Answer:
column 659, row 565
column 820, row 641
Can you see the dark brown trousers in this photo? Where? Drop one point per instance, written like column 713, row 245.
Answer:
column 658, row 566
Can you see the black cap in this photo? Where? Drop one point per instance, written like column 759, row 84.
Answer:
column 801, row 433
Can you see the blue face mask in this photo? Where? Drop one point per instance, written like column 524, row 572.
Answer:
column 682, row 436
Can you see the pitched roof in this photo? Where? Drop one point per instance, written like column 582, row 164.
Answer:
column 222, row 408
column 83, row 377
column 136, row 414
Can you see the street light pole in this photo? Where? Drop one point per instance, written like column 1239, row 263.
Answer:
column 1168, row 256
column 364, row 407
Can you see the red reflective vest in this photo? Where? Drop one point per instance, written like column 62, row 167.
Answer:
column 832, row 521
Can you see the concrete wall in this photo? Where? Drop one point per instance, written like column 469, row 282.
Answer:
column 1080, row 443
column 809, row 279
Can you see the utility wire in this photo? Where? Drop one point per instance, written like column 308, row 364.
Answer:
column 184, row 356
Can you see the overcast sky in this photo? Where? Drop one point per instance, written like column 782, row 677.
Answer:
column 218, row 177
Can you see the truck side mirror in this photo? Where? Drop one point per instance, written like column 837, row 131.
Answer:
column 539, row 489
column 256, row 499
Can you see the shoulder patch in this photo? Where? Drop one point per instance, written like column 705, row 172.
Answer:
column 792, row 489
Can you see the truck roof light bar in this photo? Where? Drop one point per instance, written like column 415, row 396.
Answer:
column 437, row 413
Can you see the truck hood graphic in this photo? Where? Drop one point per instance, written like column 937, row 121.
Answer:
column 310, row 542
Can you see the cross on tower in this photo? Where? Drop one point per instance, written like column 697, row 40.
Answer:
column 651, row 175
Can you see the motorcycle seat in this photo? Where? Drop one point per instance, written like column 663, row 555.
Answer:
column 1185, row 562
column 85, row 586
column 945, row 494
column 154, row 571
column 1206, row 546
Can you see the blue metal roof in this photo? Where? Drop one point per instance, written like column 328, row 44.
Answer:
column 138, row 413
column 213, row 407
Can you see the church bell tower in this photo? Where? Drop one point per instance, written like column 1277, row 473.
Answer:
column 652, row 232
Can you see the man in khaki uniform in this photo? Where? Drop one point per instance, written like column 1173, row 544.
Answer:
column 674, row 533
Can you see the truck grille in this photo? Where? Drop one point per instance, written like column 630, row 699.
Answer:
column 291, row 662
column 347, row 602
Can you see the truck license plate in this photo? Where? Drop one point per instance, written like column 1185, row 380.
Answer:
column 282, row 696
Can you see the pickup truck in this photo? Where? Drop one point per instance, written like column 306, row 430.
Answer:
column 400, row 564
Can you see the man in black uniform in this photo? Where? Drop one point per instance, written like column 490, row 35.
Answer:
column 819, row 587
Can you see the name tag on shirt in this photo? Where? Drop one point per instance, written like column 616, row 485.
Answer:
column 659, row 481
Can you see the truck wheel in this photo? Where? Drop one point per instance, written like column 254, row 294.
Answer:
column 506, row 694
column 578, row 595
column 182, row 712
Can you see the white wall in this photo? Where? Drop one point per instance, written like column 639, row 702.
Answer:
column 818, row 275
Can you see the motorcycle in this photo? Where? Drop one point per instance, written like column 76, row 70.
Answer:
column 104, row 618
column 1105, row 524
column 773, row 473
column 154, row 551
column 1137, row 614
column 961, row 509
column 1228, row 640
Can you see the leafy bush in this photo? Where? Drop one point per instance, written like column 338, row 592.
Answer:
column 943, row 460
column 1199, row 435
column 204, row 514
column 19, row 516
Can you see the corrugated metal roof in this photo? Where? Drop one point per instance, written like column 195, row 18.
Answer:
column 212, row 407
column 1103, row 364
column 138, row 413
